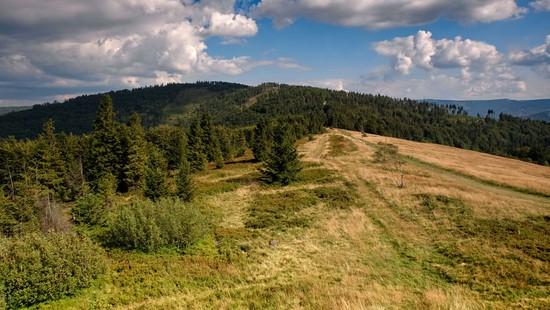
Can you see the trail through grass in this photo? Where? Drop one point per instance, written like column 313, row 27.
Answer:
column 345, row 237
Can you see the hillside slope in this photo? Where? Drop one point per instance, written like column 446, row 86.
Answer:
column 346, row 237
column 236, row 105
column 538, row 109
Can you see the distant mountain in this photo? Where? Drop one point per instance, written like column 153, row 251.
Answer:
column 236, row 105
column 6, row 110
column 534, row 109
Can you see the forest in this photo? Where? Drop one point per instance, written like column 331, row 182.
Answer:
column 46, row 254
column 70, row 199
column 238, row 106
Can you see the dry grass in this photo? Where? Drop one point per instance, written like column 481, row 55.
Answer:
column 489, row 167
column 442, row 242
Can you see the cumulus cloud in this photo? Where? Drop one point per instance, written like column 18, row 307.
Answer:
column 482, row 68
column 538, row 58
column 232, row 25
column 116, row 43
column 386, row 14
column 541, row 5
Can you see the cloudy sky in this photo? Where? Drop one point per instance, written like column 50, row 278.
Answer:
column 453, row 49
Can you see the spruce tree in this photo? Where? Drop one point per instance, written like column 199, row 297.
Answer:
column 263, row 140
column 155, row 175
column 105, row 151
column 196, row 153
column 184, row 182
column 282, row 164
column 135, row 156
column 49, row 159
column 209, row 139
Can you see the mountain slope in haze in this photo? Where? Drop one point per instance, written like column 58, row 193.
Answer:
column 534, row 109
column 6, row 110
column 155, row 105
column 236, row 105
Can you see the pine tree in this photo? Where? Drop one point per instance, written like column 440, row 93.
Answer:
column 282, row 164
column 50, row 165
column 209, row 139
column 263, row 140
column 196, row 152
column 105, row 151
column 135, row 154
column 155, row 175
column 184, row 182
column 226, row 145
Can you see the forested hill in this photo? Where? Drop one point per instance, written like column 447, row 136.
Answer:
column 155, row 104
column 240, row 105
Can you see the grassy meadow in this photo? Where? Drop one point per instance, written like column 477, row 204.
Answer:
column 467, row 231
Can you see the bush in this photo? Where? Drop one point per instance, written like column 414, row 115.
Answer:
column 90, row 210
column 148, row 226
column 36, row 267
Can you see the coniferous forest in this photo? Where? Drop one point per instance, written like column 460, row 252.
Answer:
column 61, row 185
column 237, row 106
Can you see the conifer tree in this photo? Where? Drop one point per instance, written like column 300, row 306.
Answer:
column 226, row 145
column 263, row 140
column 135, row 154
column 209, row 139
column 184, row 182
column 282, row 164
column 104, row 154
column 196, row 152
column 155, row 175
column 50, row 166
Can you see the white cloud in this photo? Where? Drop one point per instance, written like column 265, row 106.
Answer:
column 232, row 25
column 387, row 14
column 116, row 43
column 541, row 5
column 481, row 67
column 537, row 58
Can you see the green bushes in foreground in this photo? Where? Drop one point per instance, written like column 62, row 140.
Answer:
column 149, row 226
column 35, row 268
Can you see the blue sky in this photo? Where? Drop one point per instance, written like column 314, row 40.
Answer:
column 452, row 49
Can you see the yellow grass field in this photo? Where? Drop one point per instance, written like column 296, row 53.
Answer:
column 462, row 234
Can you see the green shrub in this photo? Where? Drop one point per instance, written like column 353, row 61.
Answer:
column 106, row 185
column 335, row 197
column 281, row 210
column 148, row 226
column 90, row 210
column 36, row 267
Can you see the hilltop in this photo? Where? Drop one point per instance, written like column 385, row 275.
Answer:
column 345, row 236
column 538, row 109
column 236, row 105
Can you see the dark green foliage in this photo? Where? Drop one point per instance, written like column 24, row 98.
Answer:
column 89, row 209
column 104, row 155
column 172, row 141
column 227, row 146
column 197, row 150
column 134, row 155
column 209, row 139
column 36, row 268
column 184, row 182
column 151, row 103
column 282, row 164
column 263, row 140
column 335, row 197
column 309, row 108
column 281, row 210
column 148, row 226
column 155, row 175
column 50, row 167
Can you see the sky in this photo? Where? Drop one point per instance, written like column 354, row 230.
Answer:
column 445, row 49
